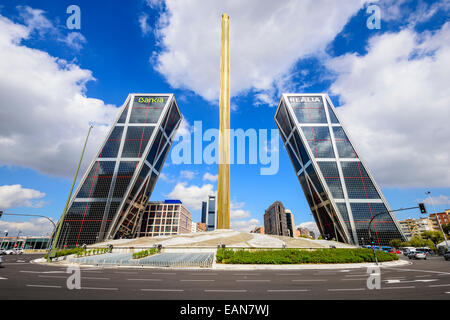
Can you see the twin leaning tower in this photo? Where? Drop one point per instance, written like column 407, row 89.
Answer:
column 110, row 200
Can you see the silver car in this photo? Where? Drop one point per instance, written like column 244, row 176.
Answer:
column 420, row 255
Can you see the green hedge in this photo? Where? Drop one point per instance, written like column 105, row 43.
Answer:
column 145, row 253
column 299, row 256
column 65, row 252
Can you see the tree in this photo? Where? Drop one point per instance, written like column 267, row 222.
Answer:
column 435, row 236
column 446, row 228
column 395, row 243
column 419, row 242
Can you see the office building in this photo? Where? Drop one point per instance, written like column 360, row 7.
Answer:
column 442, row 218
column 340, row 190
column 259, row 230
column 111, row 197
column 164, row 218
column 290, row 222
column 415, row 227
column 275, row 220
column 209, row 213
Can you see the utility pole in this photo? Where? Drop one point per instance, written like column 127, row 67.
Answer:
column 52, row 250
column 439, row 222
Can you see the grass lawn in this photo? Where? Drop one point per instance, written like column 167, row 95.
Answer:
column 299, row 256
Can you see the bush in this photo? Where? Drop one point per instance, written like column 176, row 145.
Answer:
column 66, row 252
column 145, row 253
column 299, row 256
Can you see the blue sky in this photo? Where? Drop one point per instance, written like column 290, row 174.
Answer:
column 390, row 86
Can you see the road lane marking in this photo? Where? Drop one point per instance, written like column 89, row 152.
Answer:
column 288, row 274
column 308, row 280
column 3, row 278
column 208, row 280
column 352, row 289
column 256, row 280
column 357, row 275
column 163, row 290
column 224, row 290
column 44, row 276
column 163, row 273
column 353, row 279
column 204, row 274
column 430, row 271
column 410, row 287
column 92, row 288
column 94, row 278
column 42, row 286
column 439, row 285
column 144, row 279
column 390, row 281
column 287, row 290
column 127, row 272
column 246, row 274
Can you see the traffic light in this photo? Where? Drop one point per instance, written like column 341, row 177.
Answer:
column 372, row 241
column 422, row 208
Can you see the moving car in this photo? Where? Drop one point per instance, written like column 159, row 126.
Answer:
column 447, row 256
column 14, row 251
column 420, row 255
column 2, row 251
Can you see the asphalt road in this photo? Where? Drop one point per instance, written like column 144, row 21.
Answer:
column 20, row 279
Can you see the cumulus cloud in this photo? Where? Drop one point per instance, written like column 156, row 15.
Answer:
column 193, row 195
column 187, row 174
column 44, row 110
column 74, row 40
column 395, row 105
column 437, row 201
column 210, row 177
column 267, row 38
column 144, row 25
column 244, row 225
column 311, row 226
column 32, row 227
column 16, row 196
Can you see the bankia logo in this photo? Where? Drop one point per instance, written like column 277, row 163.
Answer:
column 149, row 99
column 305, row 99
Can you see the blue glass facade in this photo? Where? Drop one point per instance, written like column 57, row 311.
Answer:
column 342, row 195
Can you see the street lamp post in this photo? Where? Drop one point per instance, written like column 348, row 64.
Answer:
column 437, row 218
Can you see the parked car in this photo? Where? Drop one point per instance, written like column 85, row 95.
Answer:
column 411, row 254
column 18, row 251
column 447, row 256
column 395, row 251
column 2, row 251
column 420, row 255
column 9, row 251
column 14, row 251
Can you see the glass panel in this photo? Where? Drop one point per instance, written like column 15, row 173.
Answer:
column 283, row 121
column 319, row 141
column 162, row 157
column 123, row 116
column 303, row 153
column 174, row 117
column 333, row 118
column 308, row 109
column 112, row 145
column 124, row 175
column 383, row 229
column 136, row 140
column 331, row 176
column 344, row 147
column 358, row 183
column 82, row 224
column 305, row 188
column 97, row 183
column 344, row 214
column 294, row 160
column 147, row 109
column 141, row 177
column 155, row 146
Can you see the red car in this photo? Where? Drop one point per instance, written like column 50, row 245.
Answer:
column 395, row 251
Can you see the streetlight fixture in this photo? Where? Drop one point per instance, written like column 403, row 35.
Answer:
column 437, row 218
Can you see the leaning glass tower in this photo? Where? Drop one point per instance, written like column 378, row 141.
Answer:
column 111, row 197
column 341, row 192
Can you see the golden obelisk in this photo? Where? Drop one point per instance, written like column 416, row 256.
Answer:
column 223, row 185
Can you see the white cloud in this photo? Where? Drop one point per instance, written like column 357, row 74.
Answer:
column 32, row 227
column 144, row 25
column 239, row 214
column 187, row 174
column 74, row 40
column 311, row 226
column 35, row 20
column 191, row 196
column 396, row 106
column 267, row 38
column 184, row 130
column 44, row 111
column 16, row 196
column 244, row 225
column 438, row 201
column 210, row 177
